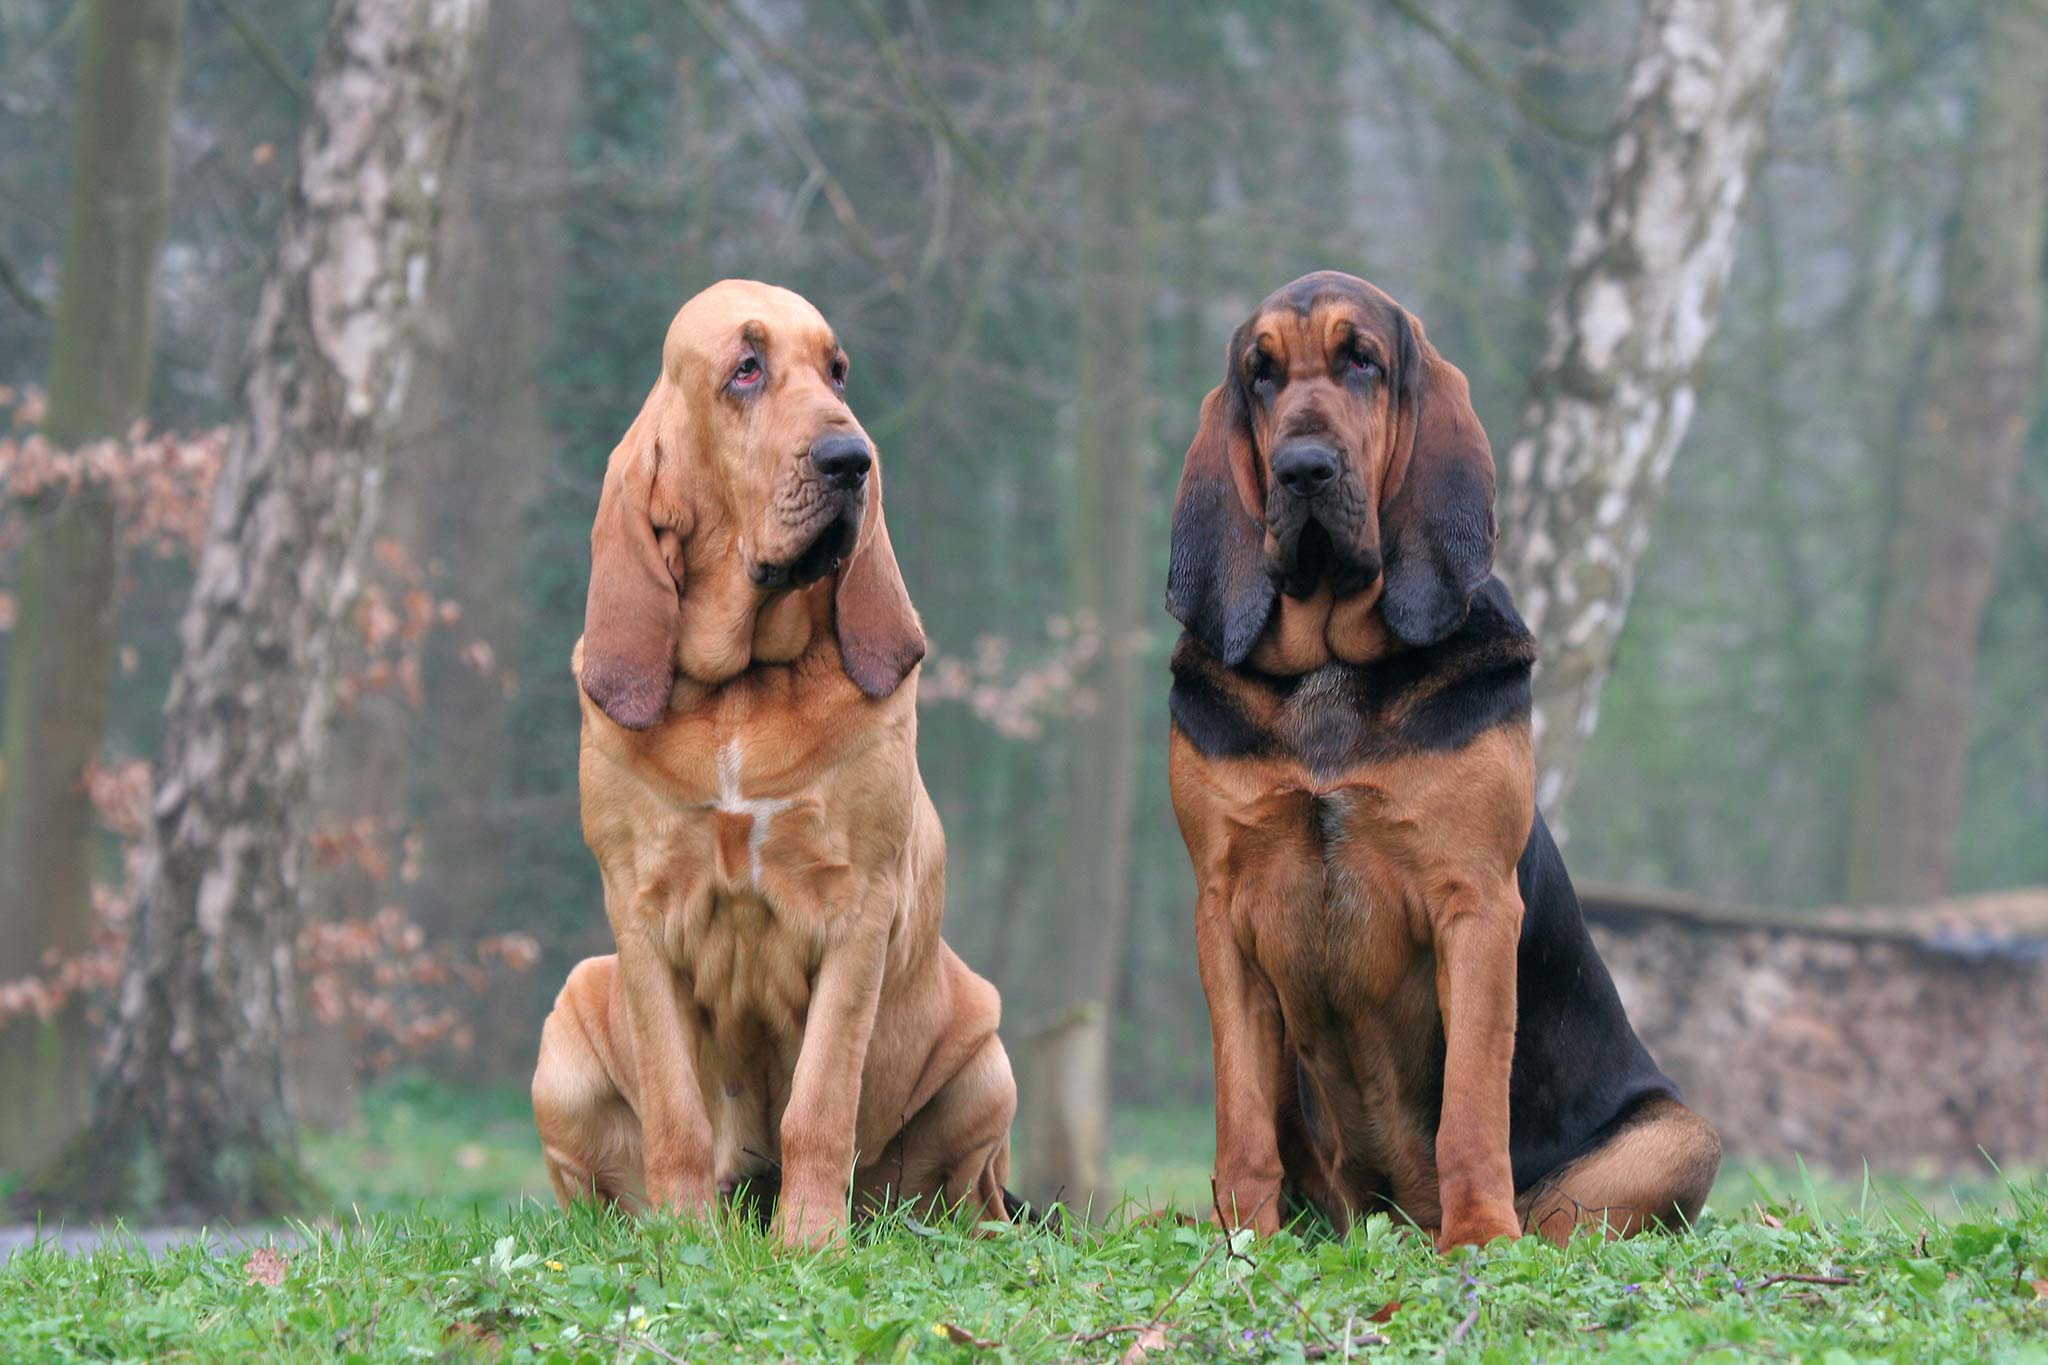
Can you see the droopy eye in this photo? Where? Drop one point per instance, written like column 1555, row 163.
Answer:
column 749, row 373
column 838, row 371
column 1364, row 365
column 1262, row 368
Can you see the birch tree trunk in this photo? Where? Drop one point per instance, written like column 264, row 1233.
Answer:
column 1640, row 299
column 191, row 1115
column 1065, row 1100
column 60, row 660
column 1963, row 447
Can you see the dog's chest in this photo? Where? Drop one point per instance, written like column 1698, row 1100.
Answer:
column 733, row 812
column 741, row 823
column 1322, row 721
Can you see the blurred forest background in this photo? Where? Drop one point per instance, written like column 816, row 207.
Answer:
column 1033, row 226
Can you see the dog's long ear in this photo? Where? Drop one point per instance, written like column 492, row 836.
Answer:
column 880, row 637
column 633, row 614
column 1216, row 580
column 1437, row 526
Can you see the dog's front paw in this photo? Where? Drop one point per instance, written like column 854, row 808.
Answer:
column 1477, row 1227
column 692, row 1194
column 812, row 1222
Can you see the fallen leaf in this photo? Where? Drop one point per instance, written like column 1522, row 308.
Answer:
column 960, row 1336
column 481, row 1337
column 1149, row 1340
column 1386, row 1314
column 266, row 1266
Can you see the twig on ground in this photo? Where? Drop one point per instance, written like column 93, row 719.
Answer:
column 1222, row 1240
column 623, row 1341
column 1463, row 1329
column 1795, row 1277
column 1306, row 1321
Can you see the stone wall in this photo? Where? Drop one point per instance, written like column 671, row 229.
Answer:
column 1911, row 1038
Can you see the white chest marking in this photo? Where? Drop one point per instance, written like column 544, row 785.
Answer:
column 732, row 801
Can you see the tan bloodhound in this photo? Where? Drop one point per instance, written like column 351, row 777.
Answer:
column 781, row 1008
column 1406, row 1009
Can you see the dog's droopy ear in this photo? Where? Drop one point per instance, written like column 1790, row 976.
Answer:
column 1216, row 580
column 633, row 614
column 1438, row 527
column 880, row 637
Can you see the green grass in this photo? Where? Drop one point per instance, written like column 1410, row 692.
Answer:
column 446, row 1249
column 531, row 1284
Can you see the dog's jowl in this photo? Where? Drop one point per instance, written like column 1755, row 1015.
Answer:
column 1406, row 1008
column 781, row 1010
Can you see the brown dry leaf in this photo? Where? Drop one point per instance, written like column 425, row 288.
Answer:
column 960, row 1336
column 266, row 1266
column 1149, row 1340
column 1386, row 1314
column 2041, row 1289
column 482, row 1338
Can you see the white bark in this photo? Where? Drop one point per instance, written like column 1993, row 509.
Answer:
column 1640, row 299
column 196, row 1075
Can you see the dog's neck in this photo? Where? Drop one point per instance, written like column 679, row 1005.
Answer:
column 730, row 623
column 1305, row 633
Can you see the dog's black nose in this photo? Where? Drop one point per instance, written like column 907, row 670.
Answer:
column 1304, row 469
column 842, row 460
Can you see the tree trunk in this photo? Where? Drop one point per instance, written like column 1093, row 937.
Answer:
column 1981, row 374
column 486, row 474
column 60, row 660
column 191, row 1113
column 1066, row 1071
column 1640, row 298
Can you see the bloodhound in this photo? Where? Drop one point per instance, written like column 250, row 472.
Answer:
column 781, row 1008
column 1406, row 1008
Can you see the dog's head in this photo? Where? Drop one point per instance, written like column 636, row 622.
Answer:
column 1340, row 448
column 746, row 463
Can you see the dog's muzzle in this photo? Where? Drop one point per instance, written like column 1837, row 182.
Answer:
column 1317, row 521
column 843, row 461
column 831, row 497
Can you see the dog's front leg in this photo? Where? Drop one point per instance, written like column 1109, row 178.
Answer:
column 1477, row 934
column 820, row 1124
column 1244, row 1024
column 675, row 1130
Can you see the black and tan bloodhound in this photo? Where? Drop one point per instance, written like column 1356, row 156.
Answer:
column 781, row 1006
column 1406, row 1008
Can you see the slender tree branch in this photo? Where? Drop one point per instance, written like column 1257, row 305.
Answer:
column 59, row 31
column 266, row 53
column 18, row 290
column 1483, row 71
column 799, row 143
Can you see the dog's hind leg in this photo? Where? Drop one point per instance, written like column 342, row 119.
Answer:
column 954, row 1154
column 589, row 1134
column 1654, row 1171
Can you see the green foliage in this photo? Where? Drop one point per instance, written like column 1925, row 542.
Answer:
column 533, row 1285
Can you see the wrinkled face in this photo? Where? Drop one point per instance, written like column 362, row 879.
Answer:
column 765, row 384
column 1318, row 367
